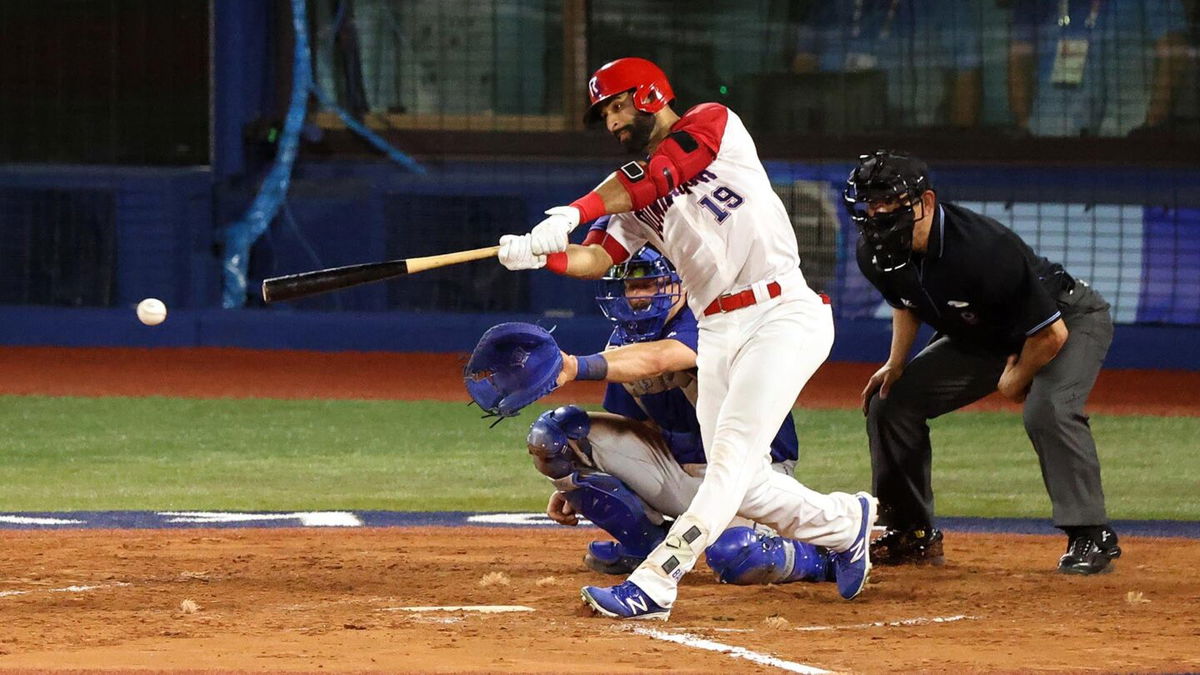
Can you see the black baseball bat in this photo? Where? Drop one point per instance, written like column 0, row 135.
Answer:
column 302, row 285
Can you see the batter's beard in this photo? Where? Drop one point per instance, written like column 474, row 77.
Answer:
column 640, row 131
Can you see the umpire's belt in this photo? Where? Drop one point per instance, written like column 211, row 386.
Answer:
column 732, row 301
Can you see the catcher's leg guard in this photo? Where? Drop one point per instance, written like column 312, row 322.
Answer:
column 614, row 508
column 744, row 557
column 599, row 497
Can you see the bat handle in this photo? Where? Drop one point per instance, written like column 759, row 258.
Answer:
column 435, row 261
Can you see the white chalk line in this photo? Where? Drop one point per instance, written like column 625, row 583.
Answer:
column 306, row 518
column 32, row 520
column 917, row 621
column 483, row 609
column 65, row 589
column 689, row 640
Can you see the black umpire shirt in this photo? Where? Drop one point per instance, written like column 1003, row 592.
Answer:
column 977, row 282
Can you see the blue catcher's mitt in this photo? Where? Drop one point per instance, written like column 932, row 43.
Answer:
column 513, row 365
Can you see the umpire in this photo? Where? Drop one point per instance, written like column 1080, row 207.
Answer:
column 1006, row 319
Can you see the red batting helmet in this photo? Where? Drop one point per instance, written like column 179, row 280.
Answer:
column 651, row 91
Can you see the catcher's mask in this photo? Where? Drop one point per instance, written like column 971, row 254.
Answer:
column 637, row 295
column 889, row 179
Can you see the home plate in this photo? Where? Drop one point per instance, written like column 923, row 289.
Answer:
column 483, row 609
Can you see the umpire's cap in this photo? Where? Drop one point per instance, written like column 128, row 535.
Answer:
column 890, row 173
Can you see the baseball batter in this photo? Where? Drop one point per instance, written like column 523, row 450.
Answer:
column 702, row 197
column 627, row 468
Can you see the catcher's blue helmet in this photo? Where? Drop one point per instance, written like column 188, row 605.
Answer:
column 637, row 295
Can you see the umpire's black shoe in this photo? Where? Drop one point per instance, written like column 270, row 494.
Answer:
column 1090, row 553
column 918, row 546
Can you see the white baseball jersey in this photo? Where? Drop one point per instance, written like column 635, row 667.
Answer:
column 724, row 229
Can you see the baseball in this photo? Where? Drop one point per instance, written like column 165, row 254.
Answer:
column 151, row 311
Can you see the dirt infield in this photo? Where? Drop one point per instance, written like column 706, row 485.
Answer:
column 327, row 600
column 242, row 373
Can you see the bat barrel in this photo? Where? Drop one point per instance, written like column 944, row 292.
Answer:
column 305, row 284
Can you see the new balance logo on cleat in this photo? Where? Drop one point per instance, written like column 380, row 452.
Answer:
column 626, row 601
column 858, row 550
column 637, row 605
column 852, row 566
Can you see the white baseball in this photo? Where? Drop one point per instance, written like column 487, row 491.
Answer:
column 151, row 311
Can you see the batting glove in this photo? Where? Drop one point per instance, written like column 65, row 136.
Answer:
column 550, row 235
column 516, row 254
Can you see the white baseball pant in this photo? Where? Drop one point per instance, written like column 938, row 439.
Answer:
column 752, row 364
column 637, row 455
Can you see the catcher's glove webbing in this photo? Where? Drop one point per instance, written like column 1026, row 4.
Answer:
column 513, row 365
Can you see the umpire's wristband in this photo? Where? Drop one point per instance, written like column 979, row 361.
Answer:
column 593, row 367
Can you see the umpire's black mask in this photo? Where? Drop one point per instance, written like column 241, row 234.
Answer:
column 886, row 178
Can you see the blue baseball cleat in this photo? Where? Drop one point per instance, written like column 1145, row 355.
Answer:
column 852, row 566
column 626, row 601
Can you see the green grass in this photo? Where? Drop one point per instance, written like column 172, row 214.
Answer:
column 62, row 454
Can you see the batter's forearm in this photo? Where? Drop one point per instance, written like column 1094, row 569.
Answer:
column 581, row 262
column 616, row 199
column 676, row 160
column 609, row 197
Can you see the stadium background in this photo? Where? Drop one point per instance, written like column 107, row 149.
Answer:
column 136, row 136
column 136, row 132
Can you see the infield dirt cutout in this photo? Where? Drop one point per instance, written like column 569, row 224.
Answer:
column 331, row 599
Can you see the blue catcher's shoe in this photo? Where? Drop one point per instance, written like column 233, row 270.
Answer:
column 626, row 601
column 852, row 566
column 610, row 557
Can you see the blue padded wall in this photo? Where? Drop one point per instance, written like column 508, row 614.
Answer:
column 162, row 226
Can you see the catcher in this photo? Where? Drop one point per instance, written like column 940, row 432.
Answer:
column 627, row 468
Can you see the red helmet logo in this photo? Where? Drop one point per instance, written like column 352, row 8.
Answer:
column 652, row 96
column 651, row 90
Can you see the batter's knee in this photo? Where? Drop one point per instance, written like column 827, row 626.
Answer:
column 549, row 440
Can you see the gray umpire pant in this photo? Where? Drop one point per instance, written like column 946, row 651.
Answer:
column 948, row 375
